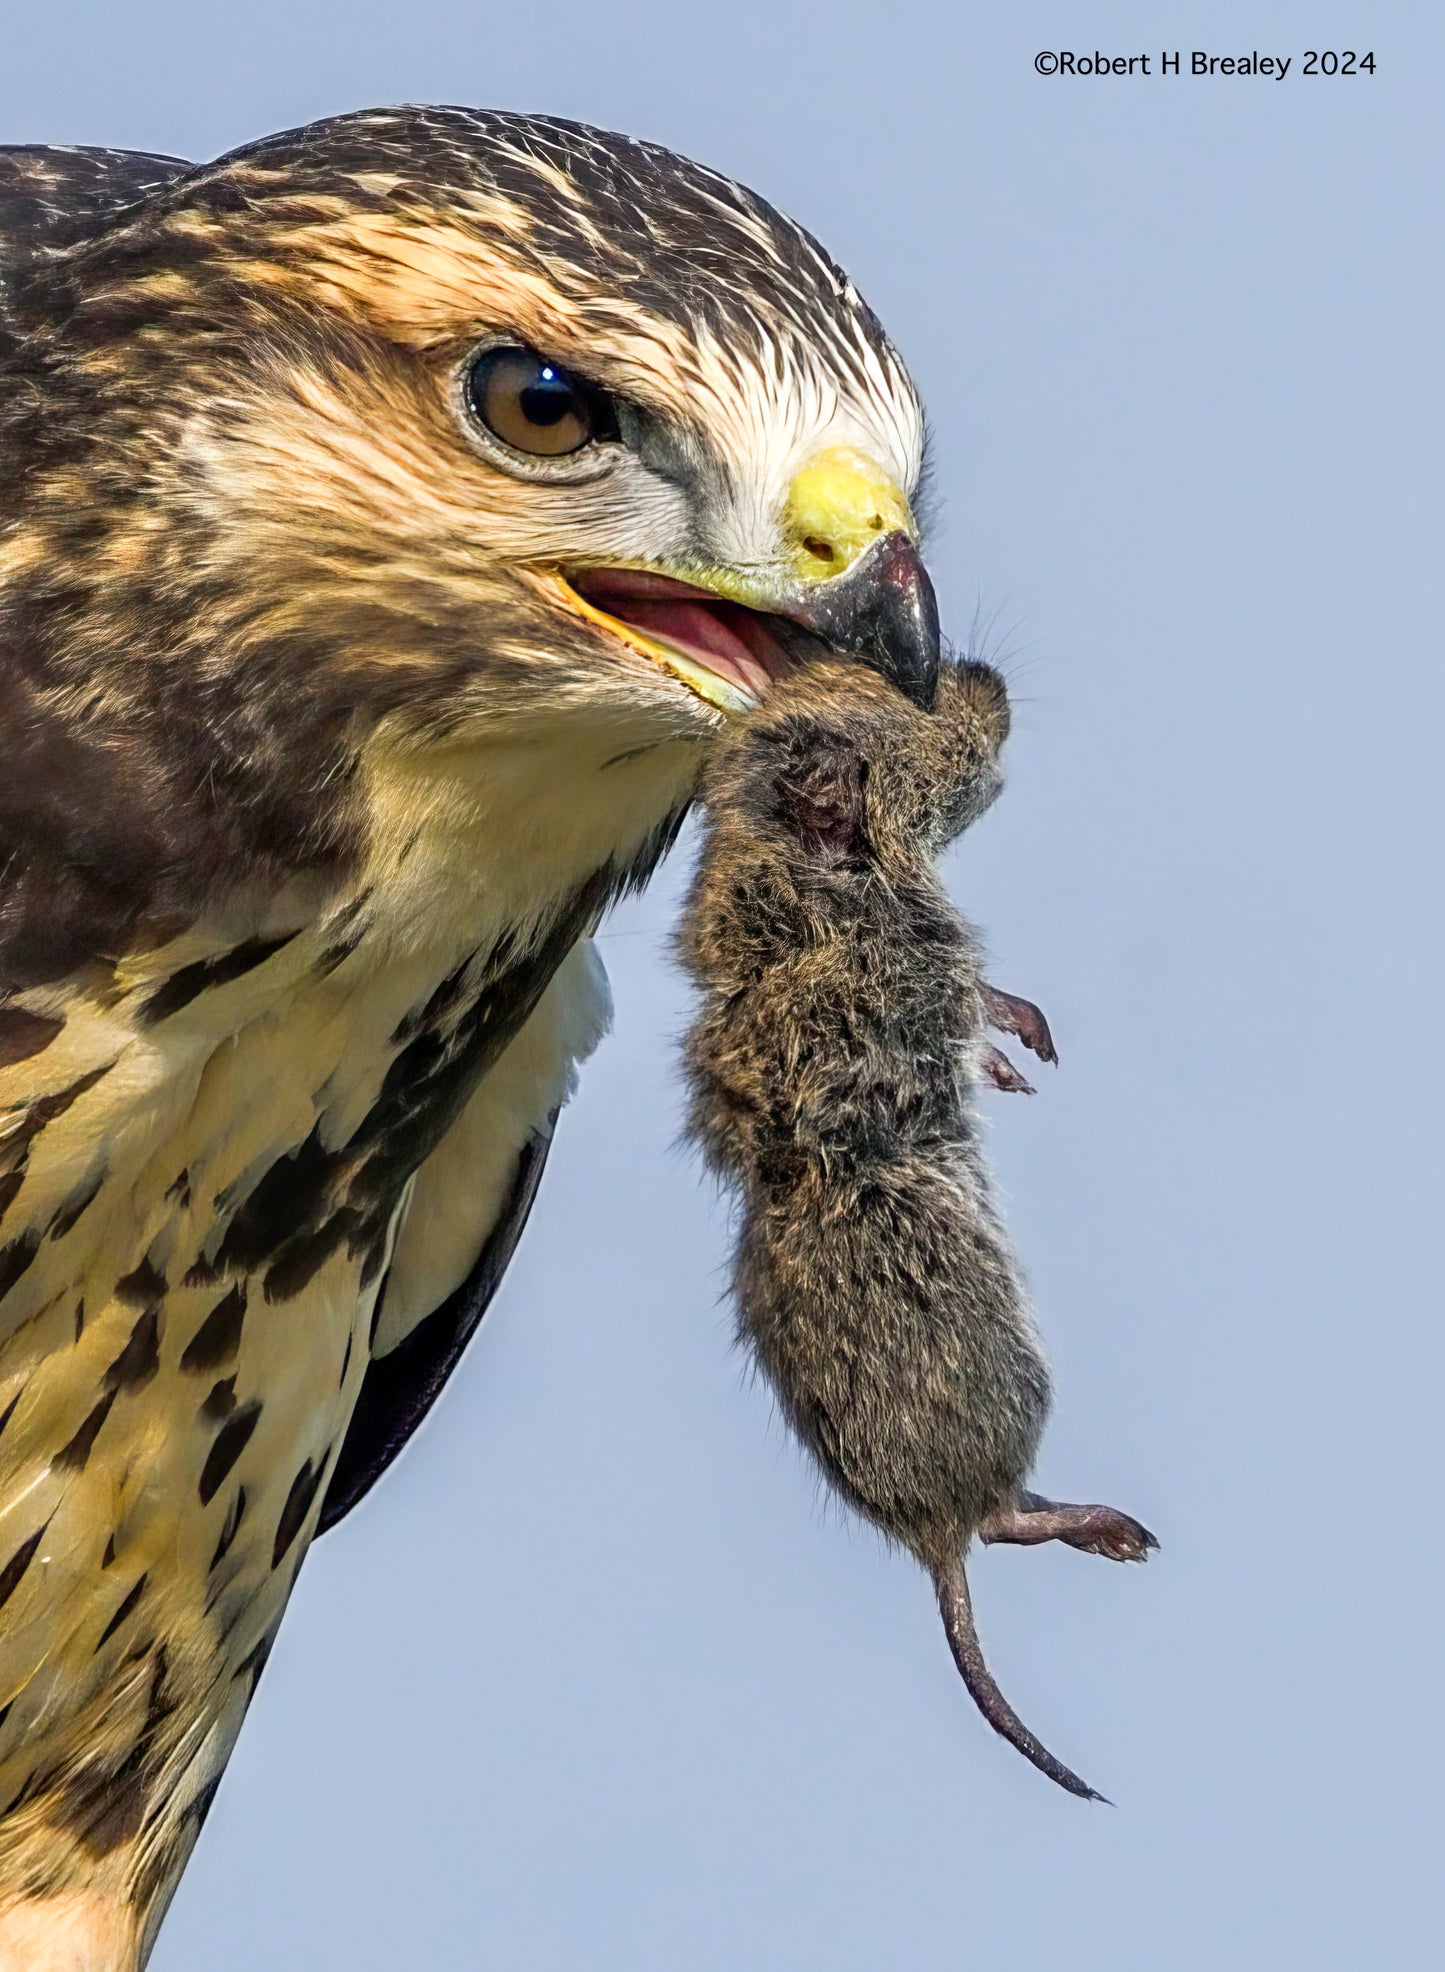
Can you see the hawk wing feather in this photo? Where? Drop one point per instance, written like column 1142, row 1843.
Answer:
column 399, row 1389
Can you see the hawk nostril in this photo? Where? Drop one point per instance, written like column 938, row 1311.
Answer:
column 823, row 550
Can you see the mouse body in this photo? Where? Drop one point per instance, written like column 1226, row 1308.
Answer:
column 834, row 1067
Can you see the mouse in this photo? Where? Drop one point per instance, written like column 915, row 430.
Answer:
column 833, row 1069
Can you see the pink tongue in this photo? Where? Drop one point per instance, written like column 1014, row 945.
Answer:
column 699, row 632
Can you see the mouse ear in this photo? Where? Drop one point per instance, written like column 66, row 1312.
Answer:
column 821, row 801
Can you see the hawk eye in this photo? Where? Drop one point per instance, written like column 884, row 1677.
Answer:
column 534, row 405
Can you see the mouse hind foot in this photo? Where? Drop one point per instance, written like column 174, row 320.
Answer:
column 1031, row 1519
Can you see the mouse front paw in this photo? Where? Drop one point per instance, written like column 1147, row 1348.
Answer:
column 998, row 1069
column 1021, row 1018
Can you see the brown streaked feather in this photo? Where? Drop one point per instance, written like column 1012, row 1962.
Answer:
column 52, row 194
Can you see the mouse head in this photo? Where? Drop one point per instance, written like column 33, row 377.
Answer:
column 842, row 765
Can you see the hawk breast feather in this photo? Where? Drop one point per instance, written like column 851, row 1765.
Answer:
column 256, row 1192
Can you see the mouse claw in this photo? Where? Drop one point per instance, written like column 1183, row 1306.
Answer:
column 1120, row 1538
column 1021, row 1018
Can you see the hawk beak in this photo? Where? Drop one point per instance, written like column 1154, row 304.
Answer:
column 882, row 611
column 863, row 587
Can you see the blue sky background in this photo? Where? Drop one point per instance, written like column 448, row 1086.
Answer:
column 596, row 1681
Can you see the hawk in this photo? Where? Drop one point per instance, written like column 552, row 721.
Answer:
column 393, row 511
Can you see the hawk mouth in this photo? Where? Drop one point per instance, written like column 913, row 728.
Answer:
column 725, row 652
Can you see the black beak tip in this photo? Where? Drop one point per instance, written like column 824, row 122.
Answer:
column 910, row 646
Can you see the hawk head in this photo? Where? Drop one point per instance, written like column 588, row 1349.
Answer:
column 431, row 423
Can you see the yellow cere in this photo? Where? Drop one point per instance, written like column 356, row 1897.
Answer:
column 838, row 506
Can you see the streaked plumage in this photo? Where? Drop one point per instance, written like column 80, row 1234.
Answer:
column 316, row 772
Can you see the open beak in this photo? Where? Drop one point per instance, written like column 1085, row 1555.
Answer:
column 853, row 580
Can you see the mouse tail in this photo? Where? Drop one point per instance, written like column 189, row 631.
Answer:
column 956, row 1607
